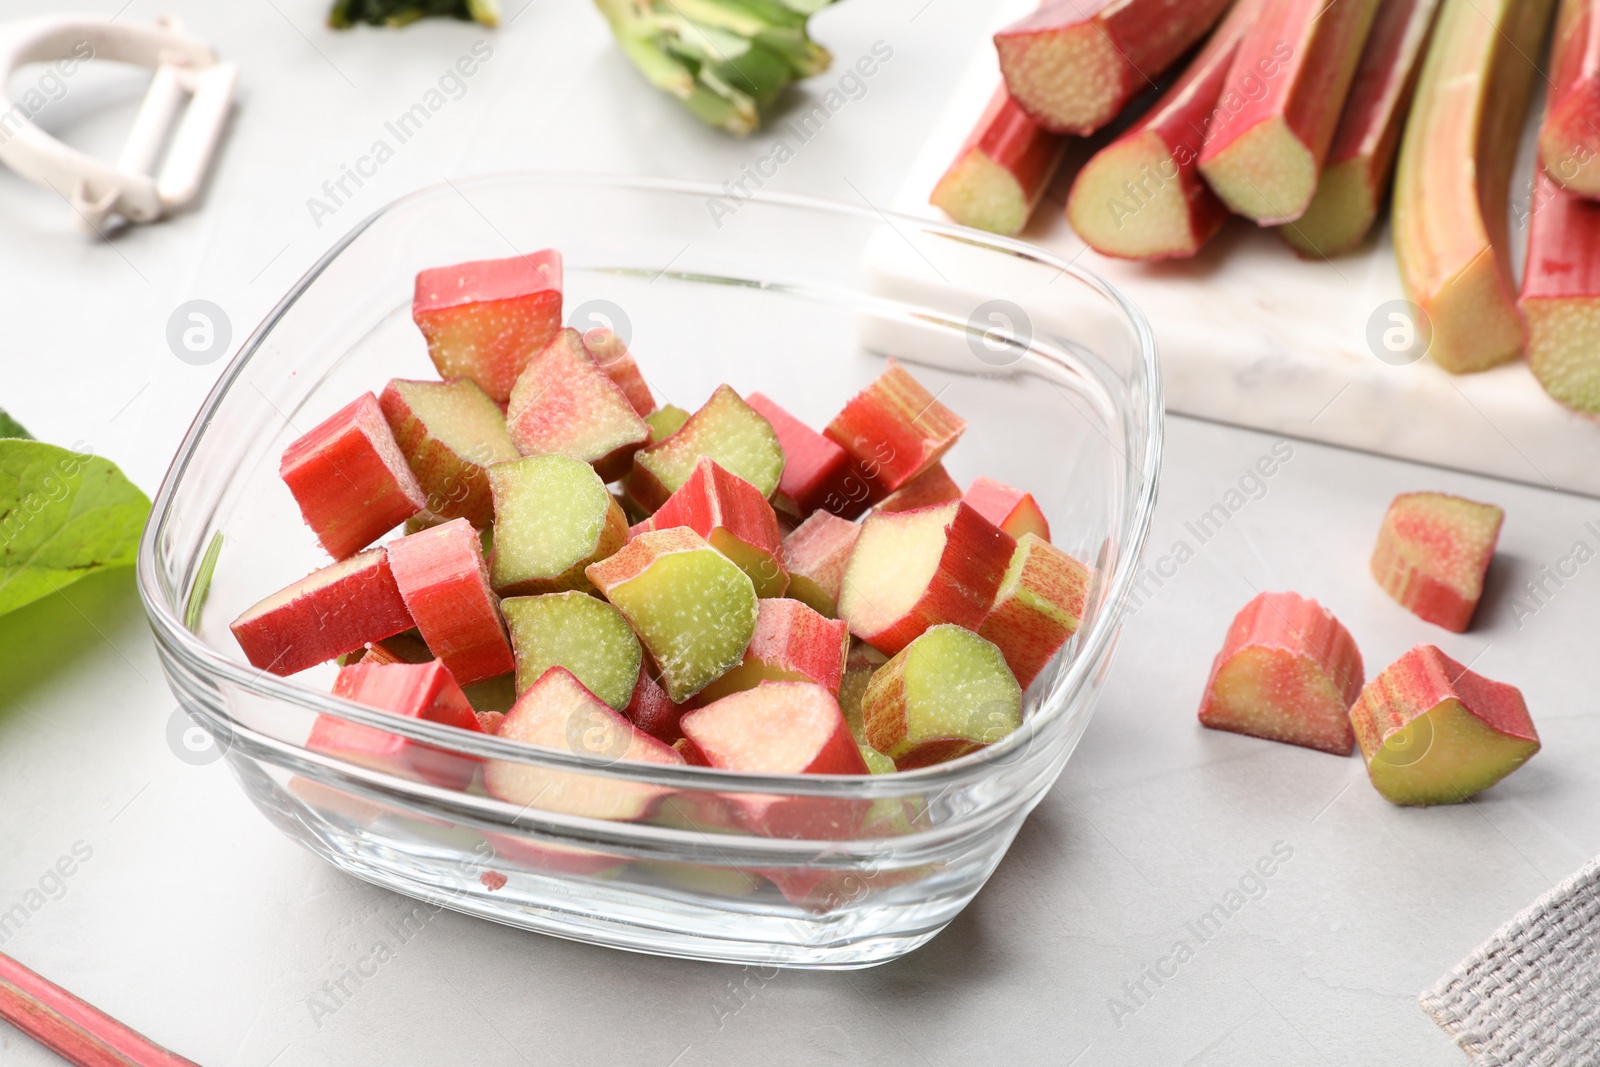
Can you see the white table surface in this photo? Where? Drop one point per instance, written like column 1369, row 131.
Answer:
column 197, row 923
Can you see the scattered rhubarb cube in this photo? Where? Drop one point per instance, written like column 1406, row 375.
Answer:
column 665, row 421
column 325, row 614
column 932, row 486
column 558, row 713
column 1433, row 732
column 782, row 728
column 553, row 517
column 350, row 479
column 727, row 430
column 692, row 607
column 1432, row 552
column 944, row 695
column 894, row 429
column 1002, row 170
column 791, row 643
column 652, row 711
column 449, row 432
column 817, row 554
column 914, row 569
column 445, row 584
column 416, row 691
column 817, row 474
column 735, row 517
column 1012, row 510
column 485, row 320
column 613, row 357
column 564, row 404
column 1038, row 606
column 576, row 631
column 1287, row 672
column 859, row 667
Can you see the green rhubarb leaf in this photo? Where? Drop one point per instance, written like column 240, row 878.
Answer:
column 10, row 427
column 63, row 516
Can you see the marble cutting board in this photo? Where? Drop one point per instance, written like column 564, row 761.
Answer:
column 1251, row 334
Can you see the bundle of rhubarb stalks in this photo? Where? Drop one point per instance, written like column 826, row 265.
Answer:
column 1303, row 116
column 784, row 601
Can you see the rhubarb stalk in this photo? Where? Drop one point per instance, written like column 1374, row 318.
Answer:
column 1002, row 171
column 1569, row 140
column 1356, row 173
column 1142, row 197
column 1073, row 64
column 67, row 1026
column 1561, row 294
column 1450, row 225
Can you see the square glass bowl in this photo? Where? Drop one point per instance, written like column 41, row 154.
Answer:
column 797, row 298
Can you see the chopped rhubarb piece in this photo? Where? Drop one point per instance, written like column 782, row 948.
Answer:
column 1454, row 177
column 1433, row 732
column 350, row 479
column 944, row 695
column 877, row 762
column 445, row 584
column 1038, row 607
column 485, row 320
column 564, row 404
column 1292, row 70
column 416, row 691
column 553, row 517
column 449, row 432
column 405, row 647
column 1012, row 510
column 932, row 486
column 1356, row 174
column 558, row 713
column 727, row 430
column 859, row 667
column 1561, row 294
column 489, row 721
column 1002, row 170
column 325, row 614
column 691, row 606
column 1142, row 197
column 1287, row 672
column 782, row 728
column 735, row 517
column 665, row 421
column 914, row 569
column 1569, row 139
column 894, row 429
column 576, row 631
column 652, row 711
column 613, row 357
column 1073, row 64
column 817, row 554
column 791, row 643
column 691, row 755
column 1432, row 553
column 817, row 474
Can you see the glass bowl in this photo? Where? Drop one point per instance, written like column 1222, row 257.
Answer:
column 798, row 298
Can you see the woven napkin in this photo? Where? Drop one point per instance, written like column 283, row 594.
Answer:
column 1531, row 993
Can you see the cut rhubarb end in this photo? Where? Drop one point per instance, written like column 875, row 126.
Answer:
column 558, row 713
column 735, row 517
column 1134, row 200
column 1451, row 186
column 553, row 518
column 665, row 421
column 726, row 429
column 895, row 430
column 791, row 643
column 1561, row 294
column 485, row 320
column 563, row 404
column 817, row 553
column 1432, row 553
column 580, row 633
column 946, row 694
column 1341, row 214
column 1073, row 65
column 416, row 691
column 449, row 432
column 1433, row 732
column 1267, row 173
column 1569, row 138
column 1288, row 672
column 444, row 581
column 335, row 610
column 932, row 486
column 1008, row 507
column 1002, row 170
column 350, row 478
column 1038, row 607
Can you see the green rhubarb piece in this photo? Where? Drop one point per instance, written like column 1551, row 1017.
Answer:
column 553, row 517
column 587, row 636
column 728, row 431
column 876, row 761
column 947, row 693
column 664, row 421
